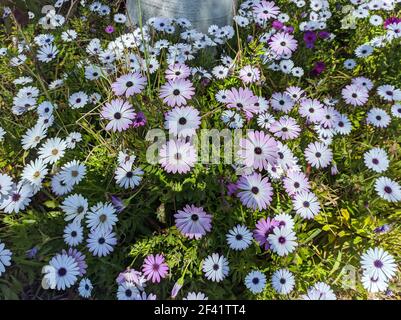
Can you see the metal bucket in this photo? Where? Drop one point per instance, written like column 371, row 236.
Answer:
column 201, row 13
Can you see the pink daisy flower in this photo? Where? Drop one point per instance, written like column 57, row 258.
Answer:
column 177, row 71
column 177, row 156
column 258, row 150
column 129, row 84
column 120, row 113
column 285, row 128
column 176, row 93
column 242, row 99
column 154, row 268
column 256, row 193
column 283, row 43
column 109, row 29
column 193, row 222
column 266, row 10
column 248, row 74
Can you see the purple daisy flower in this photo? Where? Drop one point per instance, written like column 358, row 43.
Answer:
column 391, row 20
column 129, row 84
column 139, row 120
column 176, row 93
column 120, row 113
column 154, row 268
column 231, row 188
column 310, row 38
column 264, row 227
column 256, row 193
column 318, row 68
column 323, row 34
column 193, row 222
column 277, row 25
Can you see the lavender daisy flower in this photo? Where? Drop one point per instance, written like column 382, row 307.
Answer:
column 242, row 99
column 378, row 263
column 311, row 109
column 176, row 93
column 120, row 113
column 282, row 241
column 285, row 128
column 258, row 150
column 283, row 43
column 355, row 95
column 249, row 74
column 215, row 267
column 129, row 84
column 296, row 182
column 177, row 71
column 264, row 227
column 376, row 159
column 133, row 276
column 154, row 268
column 177, row 156
column 282, row 102
column 193, row 222
column 388, row 189
column 265, row 10
column 378, row 118
column 256, row 193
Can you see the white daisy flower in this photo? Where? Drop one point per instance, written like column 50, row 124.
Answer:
column 282, row 241
column 255, row 281
column 283, row 281
column 215, row 267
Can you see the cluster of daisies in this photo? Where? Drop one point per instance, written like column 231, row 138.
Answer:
column 265, row 157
